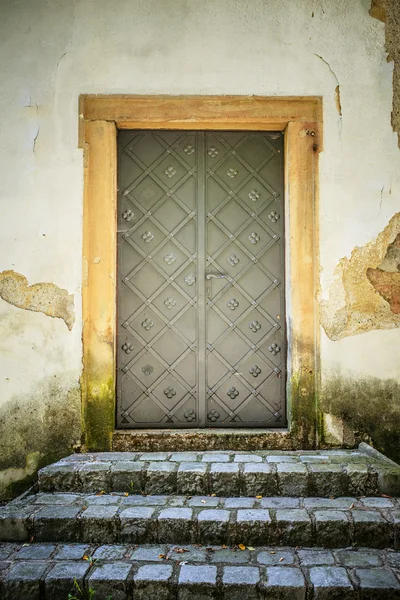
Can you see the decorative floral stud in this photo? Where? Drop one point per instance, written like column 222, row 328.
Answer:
column 233, row 260
column 147, row 324
column 213, row 415
column 188, row 149
column 232, row 303
column 232, row 172
column 254, row 195
column 212, row 151
column 254, row 238
column 190, row 415
column 148, row 236
column 273, row 216
column 255, row 370
column 254, row 326
column 232, row 393
column 170, row 171
column 190, row 279
column 148, row 369
column 274, row 349
column 127, row 347
column 128, row 215
column 170, row 392
column 170, row 258
column 170, row 302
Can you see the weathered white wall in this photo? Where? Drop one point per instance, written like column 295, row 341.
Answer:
column 52, row 50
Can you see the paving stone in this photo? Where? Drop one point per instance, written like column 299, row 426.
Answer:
column 154, row 456
column 294, row 527
column 63, row 499
column 213, row 526
column 331, row 583
column 192, row 478
column 57, row 524
column 377, row 502
column 127, row 477
column 149, row 553
column 137, row 525
column 7, row 550
column 115, row 456
column 72, row 551
column 282, row 458
column 59, row 477
column 389, row 481
column 232, row 556
column 284, row 583
column 178, row 501
column 35, row 552
column 259, row 479
column 328, row 480
column 315, row 557
column 359, row 558
column 314, row 458
column 247, row 458
column 395, row 515
column 341, row 503
column 194, row 554
column 214, row 457
column 253, row 526
column 111, row 579
column 14, row 524
column 144, row 501
column 332, row 528
column 152, row 581
column 239, row 502
column 98, row 524
column 103, row 500
column 239, row 582
column 196, row 582
column 175, row 526
column 279, row 502
column 184, row 457
column 292, row 479
column 60, row 581
column 95, row 477
column 224, row 479
column 202, row 501
column 393, row 559
column 24, row 580
column 377, row 584
column 161, row 478
column 111, row 552
column 360, row 480
column 371, row 529
column 276, row 556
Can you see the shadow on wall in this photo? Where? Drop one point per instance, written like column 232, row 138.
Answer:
column 368, row 406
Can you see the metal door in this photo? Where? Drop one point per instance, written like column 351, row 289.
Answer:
column 201, row 324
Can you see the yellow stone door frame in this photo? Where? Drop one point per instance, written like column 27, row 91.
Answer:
column 100, row 117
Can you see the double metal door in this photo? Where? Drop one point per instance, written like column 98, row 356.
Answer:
column 201, row 325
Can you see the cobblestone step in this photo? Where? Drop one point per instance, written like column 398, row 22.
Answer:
column 168, row 572
column 330, row 473
column 120, row 518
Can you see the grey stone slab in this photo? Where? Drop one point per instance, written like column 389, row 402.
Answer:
column 161, row 478
column 314, row 458
column 24, row 580
column 111, row 552
column 294, row 527
column 361, row 479
column 95, row 477
column 310, row 557
column 331, row 582
column 284, row 583
column 149, row 553
column 64, row 499
column 137, row 525
column 128, row 477
column 57, row 523
column 154, row 456
column 332, row 528
column 377, row 584
column 292, row 479
column 328, row 480
column 276, row 556
column 115, row 456
column 98, row 524
column 254, row 526
column 389, row 481
column 60, row 581
column 196, row 582
column 111, row 579
column 62, row 476
column 192, row 478
column 371, row 529
column 215, row 457
column 224, row 479
column 14, row 524
column 184, row 457
column 152, row 581
column 377, row 502
column 239, row 582
column 188, row 553
column 72, row 551
column 176, row 526
column 7, row 550
column 393, row 559
column 282, row 458
column 232, row 555
column 278, row 502
column 259, row 479
column 204, row 501
column 359, row 558
column 103, row 499
column 35, row 552
column 344, row 503
column 144, row 501
column 177, row 501
column 247, row 458
column 239, row 502
column 213, row 526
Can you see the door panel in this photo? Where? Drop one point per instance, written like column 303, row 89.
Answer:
column 201, row 338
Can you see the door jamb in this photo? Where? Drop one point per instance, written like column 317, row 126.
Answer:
column 100, row 117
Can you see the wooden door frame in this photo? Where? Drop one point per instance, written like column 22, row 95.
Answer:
column 100, row 117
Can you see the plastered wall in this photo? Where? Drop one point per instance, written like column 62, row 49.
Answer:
column 51, row 51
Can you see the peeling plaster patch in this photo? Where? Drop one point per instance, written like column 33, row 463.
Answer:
column 40, row 297
column 386, row 278
column 354, row 306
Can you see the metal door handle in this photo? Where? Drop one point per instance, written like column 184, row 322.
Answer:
column 216, row 276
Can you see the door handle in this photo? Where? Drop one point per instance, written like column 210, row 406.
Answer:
column 216, row 276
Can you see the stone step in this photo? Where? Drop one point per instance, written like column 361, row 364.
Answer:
column 330, row 473
column 168, row 572
column 120, row 518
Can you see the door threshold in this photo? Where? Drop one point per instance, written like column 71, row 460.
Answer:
column 178, row 440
